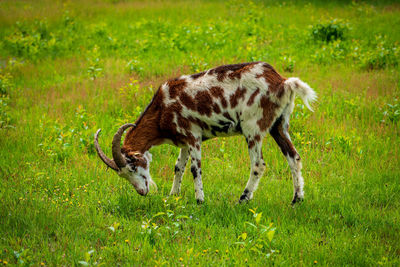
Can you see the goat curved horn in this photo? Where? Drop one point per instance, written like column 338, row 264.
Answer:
column 109, row 162
column 116, row 146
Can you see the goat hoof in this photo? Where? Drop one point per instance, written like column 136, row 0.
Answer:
column 199, row 201
column 246, row 196
column 174, row 193
column 243, row 199
column 297, row 199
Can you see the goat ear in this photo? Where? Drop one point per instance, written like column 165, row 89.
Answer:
column 148, row 156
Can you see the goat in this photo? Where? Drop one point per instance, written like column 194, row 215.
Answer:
column 249, row 99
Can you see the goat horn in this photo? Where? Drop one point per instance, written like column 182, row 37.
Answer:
column 109, row 162
column 116, row 145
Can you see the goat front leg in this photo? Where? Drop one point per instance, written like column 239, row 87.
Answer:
column 280, row 132
column 179, row 170
column 195, row 168
column 257, row 167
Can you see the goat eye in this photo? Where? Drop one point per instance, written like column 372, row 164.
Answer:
column 132, row 166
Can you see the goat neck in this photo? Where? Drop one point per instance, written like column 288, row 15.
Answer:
column 145, row 135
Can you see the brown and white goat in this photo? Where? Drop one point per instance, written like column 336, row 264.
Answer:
column 251, row 99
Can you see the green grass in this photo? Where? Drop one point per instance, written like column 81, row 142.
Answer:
column 70, row 68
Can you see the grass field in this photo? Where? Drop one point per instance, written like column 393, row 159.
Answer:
column 71, row 67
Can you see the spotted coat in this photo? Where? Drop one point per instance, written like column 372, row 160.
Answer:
column 250, row 99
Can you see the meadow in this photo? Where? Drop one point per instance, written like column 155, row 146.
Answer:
column 68, row 68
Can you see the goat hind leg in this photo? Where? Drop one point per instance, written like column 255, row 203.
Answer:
column 280, row 132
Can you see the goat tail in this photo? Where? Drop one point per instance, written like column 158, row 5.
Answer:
column 307, row 94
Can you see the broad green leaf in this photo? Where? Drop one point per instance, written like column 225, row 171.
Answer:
column 270, row 235
column 87, row 257
column 243, row 236
column 258, row 217
column 116, row 225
